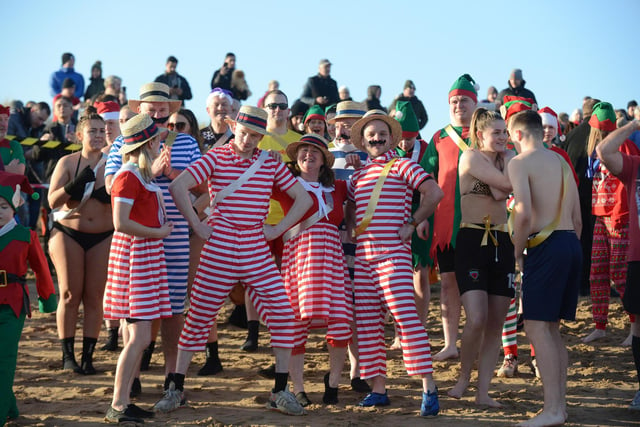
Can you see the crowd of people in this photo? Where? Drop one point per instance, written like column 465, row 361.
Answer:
column 318, row 213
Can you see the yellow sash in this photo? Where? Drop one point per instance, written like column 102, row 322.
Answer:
column 487, row 229
column 456, row 138
column 373, row 200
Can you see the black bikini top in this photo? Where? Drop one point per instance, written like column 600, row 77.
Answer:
column 101, row 195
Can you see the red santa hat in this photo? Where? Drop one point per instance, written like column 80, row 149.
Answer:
column 5, row 110
column 550, row 118
column 109, row 110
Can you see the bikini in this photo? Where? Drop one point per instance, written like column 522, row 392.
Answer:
column 87, row 240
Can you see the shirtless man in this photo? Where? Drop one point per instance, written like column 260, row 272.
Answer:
column 542, row 185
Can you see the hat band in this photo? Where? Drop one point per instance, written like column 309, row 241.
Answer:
column 464, row 92
column 143, row 135
column 343, row 112
column 308, row 139
column 154, row 93
column 251, row 120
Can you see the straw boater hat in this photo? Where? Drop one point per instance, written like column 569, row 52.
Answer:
column 253, row 118
column 349, row 110
column 358, row 128
column 155, row 92
column 314, row 140
column 137, row 131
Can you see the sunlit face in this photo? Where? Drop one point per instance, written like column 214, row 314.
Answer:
column 153, row 146
column 316, row 126
column 6, row 212
column 409, row 92
column 309, row 158
column 343, row 129
column 276, row 115
column 331, row 127
column 377, row 138
column 461, row 110
column 324, row 70
column 494, row 138
column 38, row 117
column 296, row 122
column 63, row 109
column 170, row 67
column 4, row 124
column 156, row 110
column 492, row 95
column 230, row 61
column 219, row 108
column 406, row 144
column 179, row 123
column 112, row 130
column 125, row 114
column 245, row 141
column 550, row 132
column 92, row 135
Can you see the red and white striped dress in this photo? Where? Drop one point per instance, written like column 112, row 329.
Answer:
column 314, row 269
column 137, row 274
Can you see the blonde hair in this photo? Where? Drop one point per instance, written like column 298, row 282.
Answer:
column 595, row 137
column 145, row 160
column 480, row 121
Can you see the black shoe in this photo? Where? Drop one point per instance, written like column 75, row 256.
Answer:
column 269, row 373
column 112, row 341
column 136, row 388
column 303, row 399
column 360, row 385
column 87, row 368
column 211, row 367
column 253, row 331
column 115, row 416
column 146, row 356
column 71, row 365
column 238, row 317
column 330, row 396
column 249, row 345
column 135, row 411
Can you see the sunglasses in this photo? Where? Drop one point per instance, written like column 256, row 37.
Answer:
column 179, row 126
column 282, row 106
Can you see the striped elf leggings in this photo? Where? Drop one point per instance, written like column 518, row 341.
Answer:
column 382, row 285
column 608, row 264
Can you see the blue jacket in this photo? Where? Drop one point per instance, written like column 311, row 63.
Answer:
column 57, row 77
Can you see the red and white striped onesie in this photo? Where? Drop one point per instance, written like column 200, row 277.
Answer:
column 315, row 273
column 384, row 271
column 137, row 285
column 237, row 250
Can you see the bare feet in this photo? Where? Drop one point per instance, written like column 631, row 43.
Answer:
column 446, row 353
column 487, row 401
column 627, row 341
column 544, row 419
column 595, row 335
column 458, row 390
column 396, row 345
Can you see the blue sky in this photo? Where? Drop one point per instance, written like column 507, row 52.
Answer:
column 566, row 49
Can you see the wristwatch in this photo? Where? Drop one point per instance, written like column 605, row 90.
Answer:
column 412, row 221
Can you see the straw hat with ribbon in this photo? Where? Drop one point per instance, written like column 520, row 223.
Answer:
column 137, row 131
column 348, row 110
column 253, row 118
column 358, row 128
column 155, row 92
column 313, row 140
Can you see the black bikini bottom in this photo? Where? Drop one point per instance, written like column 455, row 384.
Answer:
column 85, row 240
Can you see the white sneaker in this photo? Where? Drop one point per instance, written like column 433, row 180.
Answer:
column 635, row 403
column 172, row 400
column 509, row 367
column 284, row 401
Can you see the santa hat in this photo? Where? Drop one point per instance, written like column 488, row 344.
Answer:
column 516, row 104
column 109, row 110
column 314, row 113
column 11, row 184
column 5, row 110
column 407, row 117
column 603, row 117
column 550, row 118
column 465, row 85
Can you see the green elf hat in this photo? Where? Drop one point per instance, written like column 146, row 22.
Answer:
column 515, row 104
column 407, row 117
column 11, row 184
column 465, row 85
column 603, row 117
column 315, row 112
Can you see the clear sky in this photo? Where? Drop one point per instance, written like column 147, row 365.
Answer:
column 566, row 49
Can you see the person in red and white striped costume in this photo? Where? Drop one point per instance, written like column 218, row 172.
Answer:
column 383, row 271
column 313, row 265
column 240, row 178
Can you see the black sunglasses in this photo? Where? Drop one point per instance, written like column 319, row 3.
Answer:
column 282, row 106
column 179, row 126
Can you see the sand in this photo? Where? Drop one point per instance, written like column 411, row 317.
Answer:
column 601, row 383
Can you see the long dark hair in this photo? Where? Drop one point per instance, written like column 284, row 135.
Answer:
column 193, row 125
column 326, row 177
